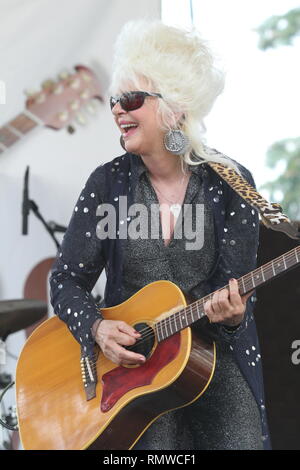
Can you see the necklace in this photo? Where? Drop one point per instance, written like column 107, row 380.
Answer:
column 174, row 206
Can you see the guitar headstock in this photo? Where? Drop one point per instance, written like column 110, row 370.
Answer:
column 59, row 103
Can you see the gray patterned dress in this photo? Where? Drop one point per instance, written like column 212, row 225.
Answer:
column 231, row 414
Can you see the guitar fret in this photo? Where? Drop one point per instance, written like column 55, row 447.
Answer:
column 7, row 137
column 252, row 279
column 164, row 329
column 23, row 123
column 14, row 130
column 168, row 327
column 192, row 315
column 289, row 261
column 278, row 265
column 198, row 314
column 201, row 314
column 180, row 321
column 243, row 282
column 163, row 334
column 256, row 278
column 295, row 261
column 159, row 338
column 177, row 326
column 246, row 283
column 170, row 323
column 273, row 268
column 269, row 272
column 167, row 333
column 174, row 317
column 187, row 315
column 173, row 320
column 2, row 147
column 160, row 331
column 284, row 261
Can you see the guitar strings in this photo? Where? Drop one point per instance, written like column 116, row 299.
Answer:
column 148, row 331
column 243, row 280
column 193, row 307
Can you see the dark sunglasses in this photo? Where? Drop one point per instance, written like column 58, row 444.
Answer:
column 131, row 100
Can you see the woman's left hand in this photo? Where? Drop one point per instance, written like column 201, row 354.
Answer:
column 227, row 306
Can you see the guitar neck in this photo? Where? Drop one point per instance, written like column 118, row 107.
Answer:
column 14, row 130
column 256, row 278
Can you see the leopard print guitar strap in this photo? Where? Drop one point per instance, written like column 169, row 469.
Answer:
column 271, row 213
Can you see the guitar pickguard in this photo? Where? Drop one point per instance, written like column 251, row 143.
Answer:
column 120, row 380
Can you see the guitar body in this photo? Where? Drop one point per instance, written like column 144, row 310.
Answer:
column 53, row 410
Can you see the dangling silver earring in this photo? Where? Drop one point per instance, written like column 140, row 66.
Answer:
column 122, row 143
column 176, row 142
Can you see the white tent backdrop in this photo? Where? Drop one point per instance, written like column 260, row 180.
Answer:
column 37, row 40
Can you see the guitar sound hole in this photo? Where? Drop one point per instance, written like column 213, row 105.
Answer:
column 145, row 343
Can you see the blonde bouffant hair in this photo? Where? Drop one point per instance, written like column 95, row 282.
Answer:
column 179, row 65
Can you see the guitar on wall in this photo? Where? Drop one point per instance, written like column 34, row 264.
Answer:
column 65, row 402
column 56, row 106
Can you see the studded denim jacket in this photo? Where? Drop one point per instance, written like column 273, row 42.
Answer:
column 82, row 257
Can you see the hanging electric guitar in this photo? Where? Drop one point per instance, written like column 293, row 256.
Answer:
column 105, row 406
column 56, row 106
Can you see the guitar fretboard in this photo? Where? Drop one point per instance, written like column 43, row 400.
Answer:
column 15, row 130
column 195, row 311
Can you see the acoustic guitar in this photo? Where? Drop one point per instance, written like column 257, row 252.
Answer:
column 57, row 105
column 68, row 402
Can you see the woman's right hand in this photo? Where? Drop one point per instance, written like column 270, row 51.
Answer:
column 111, row 336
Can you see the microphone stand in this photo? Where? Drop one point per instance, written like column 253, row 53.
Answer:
column 29, row 205
column 35, row 210
column 51, row 227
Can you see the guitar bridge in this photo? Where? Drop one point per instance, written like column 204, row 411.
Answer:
column 89, row 376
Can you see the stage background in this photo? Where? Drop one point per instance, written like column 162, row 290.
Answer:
column 39, row 39
column 277, row 317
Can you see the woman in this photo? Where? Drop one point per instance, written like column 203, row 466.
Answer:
column 164, row 84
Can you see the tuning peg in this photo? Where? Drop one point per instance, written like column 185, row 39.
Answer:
column 74, row 105
column 63, row 115
column 81, row 119
column 63, row 75
column 84, row 95
column 30, row 92
column 91, row 107
column 58, row 89
column 40, row 98
column 74, row 83
column 48, row 84
column 86, row 77
column 71, row 129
